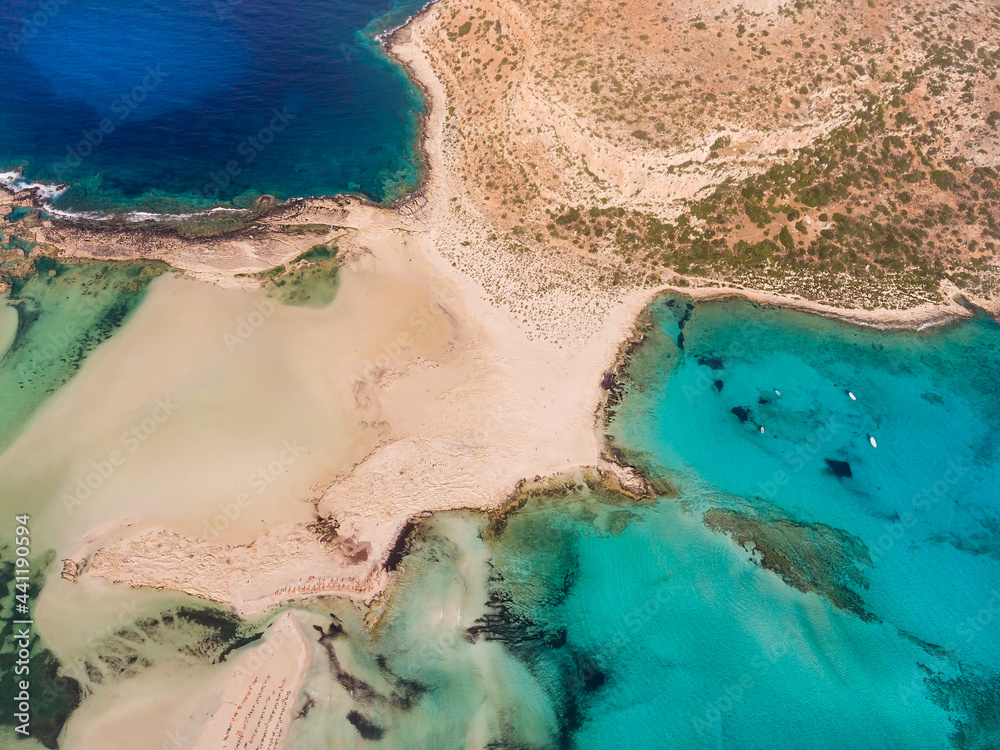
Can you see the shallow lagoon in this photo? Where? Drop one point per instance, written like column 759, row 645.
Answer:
column 766, row 602
column 769, row 603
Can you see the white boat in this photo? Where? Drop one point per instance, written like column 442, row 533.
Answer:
column 777, row 392
column 871, row 440
column 853, row 397
column 762, row 430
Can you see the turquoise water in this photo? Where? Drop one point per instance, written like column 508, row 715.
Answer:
column 770, row 604
column 149, row 105
column 771, row 600
column 925, row 503
column 64, row 310
column 911, row 538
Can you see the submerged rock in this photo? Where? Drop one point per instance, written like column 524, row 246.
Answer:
column 712, row 362
column 840, row 469
column 810, row 557
column 974, row 703
column 368, row 729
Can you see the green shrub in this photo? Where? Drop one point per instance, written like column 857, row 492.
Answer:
column 785, row 238
column 943, row 178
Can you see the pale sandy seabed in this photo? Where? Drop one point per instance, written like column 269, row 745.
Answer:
column 411, row 392
column 8, row 327
column 460, row 407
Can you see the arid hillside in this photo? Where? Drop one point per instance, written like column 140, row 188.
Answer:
column 847, row 152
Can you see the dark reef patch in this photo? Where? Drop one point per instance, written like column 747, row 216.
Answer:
column 64, row 311
column 741, row 412
column 839, row 468
column 405, row 692
column 808, row 557
column 503, row 622
column 326, row 529
column 54, row 695
column 984, row 540
column 400, row 547
column 365, row 726
column 528, row 619
column 309, row 705
column 712, row 362
column 974, row 704
column 238, row 643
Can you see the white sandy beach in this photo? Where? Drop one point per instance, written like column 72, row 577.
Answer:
column 412, row 392
column 420, row 388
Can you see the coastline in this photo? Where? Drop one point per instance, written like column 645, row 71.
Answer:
column 928, row 315
column 498, row 363
column 468, row 420
column 117, row 234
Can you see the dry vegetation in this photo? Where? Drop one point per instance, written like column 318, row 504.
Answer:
column 845, row 152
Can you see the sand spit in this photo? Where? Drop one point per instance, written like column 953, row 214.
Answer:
column 245, row 703
column 509, row 391
column 278, row 567
column 258, row 698
column 457, row 424
column 453, row 365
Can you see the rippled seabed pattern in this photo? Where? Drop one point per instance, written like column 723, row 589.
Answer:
column 149, row 105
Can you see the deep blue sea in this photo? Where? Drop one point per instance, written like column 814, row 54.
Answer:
column 176, row 105
column 821, row 571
